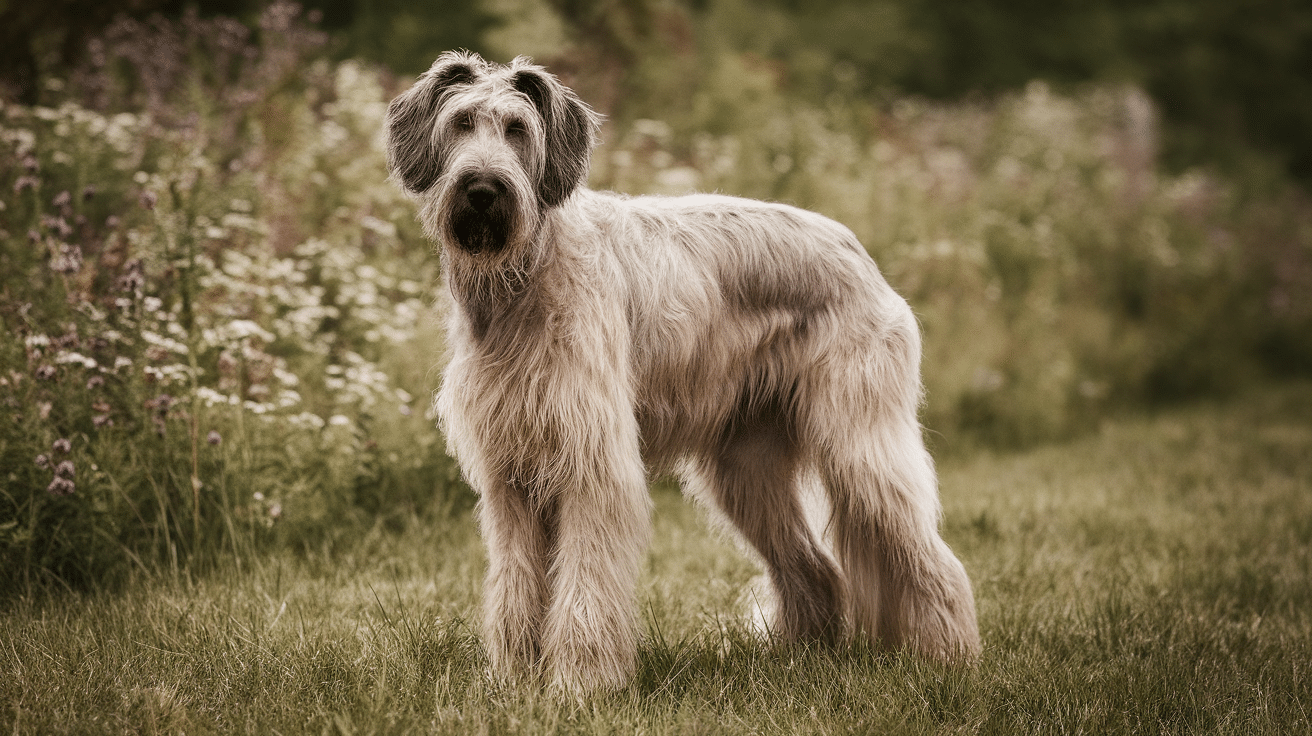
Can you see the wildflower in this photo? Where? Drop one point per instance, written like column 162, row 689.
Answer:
column 95, row 382
column 227, row 364
column 65, row 469
column 25, row 182
column 275, row 510
column 43, row 409
column 61, row 487
column 101, row 421
column 31, row 164
column 43, row 461
column 46, row 372
column 159, row 407
column 62, row 446
column 148, row 199
column 88, row 192
column 133, row 278
column 214, row 439
column 63, row 199
column 69, row 260
column 59, row 225
column 69, row 338
column 111, row 222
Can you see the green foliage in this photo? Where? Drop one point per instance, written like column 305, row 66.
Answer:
column 206, row 276
column 197, row 235
column 1057, row 272
column 1230, row 78
column 407, row 36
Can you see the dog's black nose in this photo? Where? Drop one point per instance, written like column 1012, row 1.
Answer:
column 482, row 193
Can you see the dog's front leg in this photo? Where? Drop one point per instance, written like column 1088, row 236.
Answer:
column 603, row 525
column 515, row 592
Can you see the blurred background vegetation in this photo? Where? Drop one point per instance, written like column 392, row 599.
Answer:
column 1232, row 80
column 215, row 331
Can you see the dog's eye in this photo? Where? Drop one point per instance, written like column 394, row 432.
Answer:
column 464, row 123
column 516, row 128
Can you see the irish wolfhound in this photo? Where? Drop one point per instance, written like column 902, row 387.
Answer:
column 596, row 338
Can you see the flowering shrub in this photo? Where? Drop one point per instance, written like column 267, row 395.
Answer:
column 1057, row 273
column 215, row 306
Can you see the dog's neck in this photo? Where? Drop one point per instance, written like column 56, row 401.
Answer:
column 499, row 287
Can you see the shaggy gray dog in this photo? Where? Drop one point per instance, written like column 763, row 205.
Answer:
column 752, row 347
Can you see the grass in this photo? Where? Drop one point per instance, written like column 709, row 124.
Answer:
column 1153, row 577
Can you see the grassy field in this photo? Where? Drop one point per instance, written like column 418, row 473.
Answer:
column 1153, row 577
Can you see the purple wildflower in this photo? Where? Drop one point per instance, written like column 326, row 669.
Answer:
column 214, row 438
column 133, row 278
column 69, row 259
column 65, row 469
column 61, row 487
column 43, row 461
column 62, row 446
column 63, row 199
column 159, row 407
column 46, row 372
column 148, row 199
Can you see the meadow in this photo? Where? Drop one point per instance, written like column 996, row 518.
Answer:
column 1151, row 577
column 226, row 507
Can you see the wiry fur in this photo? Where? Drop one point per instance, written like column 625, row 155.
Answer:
column 596, row 338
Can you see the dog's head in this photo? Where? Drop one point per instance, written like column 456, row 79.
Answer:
column 487, row 148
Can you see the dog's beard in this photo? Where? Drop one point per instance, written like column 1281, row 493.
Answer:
column 482, row 232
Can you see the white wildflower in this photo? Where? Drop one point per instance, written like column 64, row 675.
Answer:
column 306, row 420
column 68, row 356
column 166, row 343
column 382, row 227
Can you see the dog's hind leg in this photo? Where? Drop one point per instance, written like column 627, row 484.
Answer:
column 906, row 586
column 752, row 478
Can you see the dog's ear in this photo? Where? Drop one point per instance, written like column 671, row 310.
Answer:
column 570, row 127
column 411, row 155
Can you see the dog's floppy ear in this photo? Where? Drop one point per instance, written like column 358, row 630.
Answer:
column 411, row 155
column 570, row 127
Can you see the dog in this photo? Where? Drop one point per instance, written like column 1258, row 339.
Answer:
column 595, row 339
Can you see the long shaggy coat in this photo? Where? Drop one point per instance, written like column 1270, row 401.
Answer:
column 595, row 339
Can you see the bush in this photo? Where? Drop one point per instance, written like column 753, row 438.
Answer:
column 214, row 311
column 1057, row 272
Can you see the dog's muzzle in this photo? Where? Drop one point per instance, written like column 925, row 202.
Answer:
column 482, row 214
